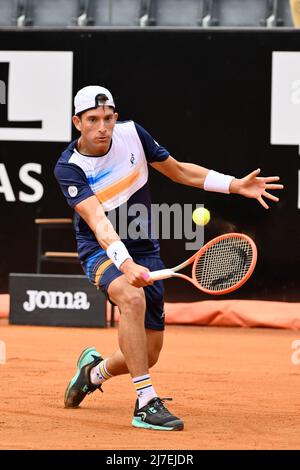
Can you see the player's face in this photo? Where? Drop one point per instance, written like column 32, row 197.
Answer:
column 96, row 127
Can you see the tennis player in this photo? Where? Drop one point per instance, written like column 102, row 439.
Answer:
column 105, row 168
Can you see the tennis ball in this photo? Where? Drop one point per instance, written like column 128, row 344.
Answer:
column 201, row 216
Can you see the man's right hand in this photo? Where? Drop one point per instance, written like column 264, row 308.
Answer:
column 134, row 273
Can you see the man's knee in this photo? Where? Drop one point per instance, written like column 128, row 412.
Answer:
column 133, row 302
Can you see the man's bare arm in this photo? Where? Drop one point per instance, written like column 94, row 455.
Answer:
column 92, row 212
column 251, row 186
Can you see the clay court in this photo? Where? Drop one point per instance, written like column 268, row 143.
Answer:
column 236, row 388
column 120, row 121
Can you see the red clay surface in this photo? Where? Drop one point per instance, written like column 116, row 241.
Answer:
column 235, row 388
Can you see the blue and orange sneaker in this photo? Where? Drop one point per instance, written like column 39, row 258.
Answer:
column 80, row 385
column 155, row 415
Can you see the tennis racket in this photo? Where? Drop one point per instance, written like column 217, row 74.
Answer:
column 221, row 266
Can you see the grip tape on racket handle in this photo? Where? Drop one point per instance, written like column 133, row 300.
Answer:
column 157, row 275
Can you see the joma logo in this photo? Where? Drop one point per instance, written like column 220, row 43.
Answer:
column 61, row 300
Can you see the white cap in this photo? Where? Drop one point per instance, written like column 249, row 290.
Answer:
column 91, row 97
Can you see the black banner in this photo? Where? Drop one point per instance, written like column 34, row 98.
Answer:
column 55, row 300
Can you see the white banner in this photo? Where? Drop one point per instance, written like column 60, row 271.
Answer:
column 285, row 109
column 39, row 89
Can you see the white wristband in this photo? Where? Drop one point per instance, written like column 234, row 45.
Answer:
column 217, row 182
column 118, row 253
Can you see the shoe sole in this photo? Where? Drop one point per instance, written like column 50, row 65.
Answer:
column 81, row 357
column 138, row 423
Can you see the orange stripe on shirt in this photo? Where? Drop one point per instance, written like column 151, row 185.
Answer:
column 116, row 188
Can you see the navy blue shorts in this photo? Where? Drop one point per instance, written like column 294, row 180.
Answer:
column 101, row 271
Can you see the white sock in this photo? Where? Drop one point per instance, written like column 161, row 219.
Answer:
column 144, row 389
column 99, row 373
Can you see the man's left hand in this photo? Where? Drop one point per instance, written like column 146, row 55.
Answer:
column 256, row 187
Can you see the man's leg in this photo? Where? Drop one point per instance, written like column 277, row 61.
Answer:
column 155, row 341
column 116, row 363
column 133, row 337
column 138, row 351
column 150, row 411
column 93, row 370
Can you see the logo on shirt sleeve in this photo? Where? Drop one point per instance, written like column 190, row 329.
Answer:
column 73, row 191
column 132, row 159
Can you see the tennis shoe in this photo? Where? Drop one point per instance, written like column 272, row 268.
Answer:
column 81, row 385
column 155, row 415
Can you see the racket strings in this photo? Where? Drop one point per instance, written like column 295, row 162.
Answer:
column 224, row 264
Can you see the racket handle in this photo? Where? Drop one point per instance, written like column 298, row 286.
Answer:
column 157, row 275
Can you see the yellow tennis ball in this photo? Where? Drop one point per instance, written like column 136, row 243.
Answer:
column 201, row 216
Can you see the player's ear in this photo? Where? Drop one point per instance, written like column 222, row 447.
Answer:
column 116, row 115
column 77, row 122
